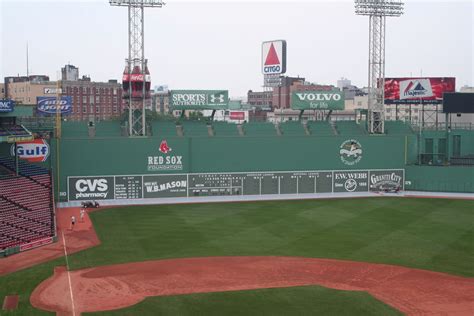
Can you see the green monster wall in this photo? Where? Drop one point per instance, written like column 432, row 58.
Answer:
column 442, row 179
column 82, row 157
column 140, row 156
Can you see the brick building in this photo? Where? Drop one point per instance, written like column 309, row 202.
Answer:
column 94, row 100
column 2, row 91
column 24, row 90
column 260, row 98
column 90, row 100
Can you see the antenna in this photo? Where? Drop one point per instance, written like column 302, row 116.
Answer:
column 377, row 10
column 27, row 64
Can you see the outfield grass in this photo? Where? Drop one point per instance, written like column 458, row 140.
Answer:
column 308, row 300
column 431, row 234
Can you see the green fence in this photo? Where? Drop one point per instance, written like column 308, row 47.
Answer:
column 442, row 179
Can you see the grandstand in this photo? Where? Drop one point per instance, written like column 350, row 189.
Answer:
column 26, row 206
column 350, row 128
column 292, row 128
column 194, row 128
column 27, row 218
column 259, row 129
column 13, row 130
column 163, row 128
column 225, row 129
column 320, row 128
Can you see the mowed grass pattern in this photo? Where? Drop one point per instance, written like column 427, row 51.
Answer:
column 307, row 300
column 431, row 234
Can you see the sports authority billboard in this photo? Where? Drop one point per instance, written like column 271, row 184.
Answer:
column 49, row 105
column 417, row 90
column 317, row 100
column 199, row 99
column 274, row 57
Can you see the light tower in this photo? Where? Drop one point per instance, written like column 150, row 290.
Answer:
column 377, row 10
column 136, row 78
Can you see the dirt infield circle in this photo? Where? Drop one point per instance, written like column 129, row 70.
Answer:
column 414, row 292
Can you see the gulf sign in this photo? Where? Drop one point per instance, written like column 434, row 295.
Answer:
column 34, row 151
column 274, row 57
column 417, row 90
column 49, row 105
column 6, row 106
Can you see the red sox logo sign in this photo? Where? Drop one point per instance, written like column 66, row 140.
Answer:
column 168, row 162
column 164, row 148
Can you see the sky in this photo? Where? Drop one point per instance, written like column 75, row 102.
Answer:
column 217, row 44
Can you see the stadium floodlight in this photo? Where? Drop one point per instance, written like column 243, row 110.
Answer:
column 377, row 10
column 136, row 58
column 138, row 3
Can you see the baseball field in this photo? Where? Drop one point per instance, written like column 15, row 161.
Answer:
column 364, row 256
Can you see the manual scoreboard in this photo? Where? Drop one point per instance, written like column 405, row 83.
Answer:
column 231, row 183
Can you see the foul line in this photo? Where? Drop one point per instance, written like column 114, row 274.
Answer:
column 68, row 275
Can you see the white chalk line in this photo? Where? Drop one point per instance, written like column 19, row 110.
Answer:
column 68, row 275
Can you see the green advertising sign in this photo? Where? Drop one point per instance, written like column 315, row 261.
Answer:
column 199, row 99
column 317, row 100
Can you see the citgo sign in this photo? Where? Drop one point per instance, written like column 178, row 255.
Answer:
column 274, row 57
column 33, row 151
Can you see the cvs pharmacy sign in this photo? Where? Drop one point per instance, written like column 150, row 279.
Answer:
column 34, row 151
column 91, row 188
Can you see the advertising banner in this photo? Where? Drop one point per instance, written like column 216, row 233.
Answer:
column 317, row 100
column 165, row 186
column 199, row 99
column 34, row 151
column 52, row 90
column 351, row 181
column 237, row 115
column 6, row 105
column 417, row 90
column 274, row 57
column 91, row 188
column 49, row 105
column 385, row 180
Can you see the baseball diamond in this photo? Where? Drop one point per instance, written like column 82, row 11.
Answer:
column 205, row 197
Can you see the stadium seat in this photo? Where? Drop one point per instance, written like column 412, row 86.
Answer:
column 24, row 219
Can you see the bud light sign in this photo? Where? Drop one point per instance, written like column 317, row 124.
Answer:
column 49, row 105
column 33, row 151
column 6, row 106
